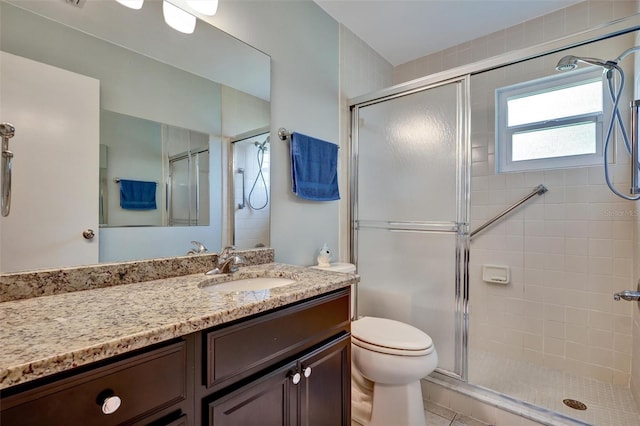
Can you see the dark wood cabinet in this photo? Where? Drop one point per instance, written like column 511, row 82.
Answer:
column 311, row 391
column 149, row 387
column 268, row 400
column 288, row 366
column 325, row 390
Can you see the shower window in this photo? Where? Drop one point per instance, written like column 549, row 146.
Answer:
column 551, row 122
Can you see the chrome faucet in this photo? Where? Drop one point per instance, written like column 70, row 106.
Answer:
column 628, row 295
column 227, row 262
column 199, row 248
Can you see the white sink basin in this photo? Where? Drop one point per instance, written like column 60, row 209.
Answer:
column 248, row 284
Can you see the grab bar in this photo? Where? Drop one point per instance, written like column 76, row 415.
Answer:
column 538, row 190
column 244, row 203
column 7, row 131
column 635, row 140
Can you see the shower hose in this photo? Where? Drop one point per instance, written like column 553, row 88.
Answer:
column 616, row 118
column 259, row 176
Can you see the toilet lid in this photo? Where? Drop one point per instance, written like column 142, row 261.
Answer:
column 387, row 333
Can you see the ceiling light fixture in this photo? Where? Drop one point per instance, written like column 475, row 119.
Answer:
column 133, row 4
column 177, row 18
column 206, row 7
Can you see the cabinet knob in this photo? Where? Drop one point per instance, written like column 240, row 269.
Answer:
column 296, row 378
column 88, row 234
column 307, row 372
column 111, row 404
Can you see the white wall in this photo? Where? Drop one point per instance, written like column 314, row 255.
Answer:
column 316, row 67
column 302, row 41
column 362, row 71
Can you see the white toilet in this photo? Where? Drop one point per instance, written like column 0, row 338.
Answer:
column 393, row 357
column 388, row 359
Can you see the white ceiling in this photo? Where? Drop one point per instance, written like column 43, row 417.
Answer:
column 404, row 30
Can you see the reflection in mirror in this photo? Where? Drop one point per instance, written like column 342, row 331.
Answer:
column 147, row 80
column 173, row 162
column 251, row 165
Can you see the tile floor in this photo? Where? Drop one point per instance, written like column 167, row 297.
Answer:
column 435, row 415
column 607, row 404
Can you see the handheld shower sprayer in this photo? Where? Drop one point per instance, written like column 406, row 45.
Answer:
column 262, row 146
column 570, row 62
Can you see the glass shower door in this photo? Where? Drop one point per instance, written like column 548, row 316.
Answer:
column 410, row 173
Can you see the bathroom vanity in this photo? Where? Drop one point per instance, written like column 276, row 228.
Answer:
column 173, row 352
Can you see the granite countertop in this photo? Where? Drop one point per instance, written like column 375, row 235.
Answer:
column 49, row 334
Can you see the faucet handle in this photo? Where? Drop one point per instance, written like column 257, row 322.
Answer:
column 225, row 251
column 200, row 248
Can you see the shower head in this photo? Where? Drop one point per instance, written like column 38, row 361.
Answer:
column 570, row 62
column 262, row 146
column 567, row 63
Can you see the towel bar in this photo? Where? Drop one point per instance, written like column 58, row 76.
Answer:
column 117, row 180
column 283, row 134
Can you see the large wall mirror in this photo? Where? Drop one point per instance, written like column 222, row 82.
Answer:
column 128, row 130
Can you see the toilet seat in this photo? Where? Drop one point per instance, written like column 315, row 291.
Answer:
column 390, row 337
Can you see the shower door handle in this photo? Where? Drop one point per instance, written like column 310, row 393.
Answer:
column 7, row 131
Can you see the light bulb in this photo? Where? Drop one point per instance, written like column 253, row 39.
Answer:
column 133, row 4
column 206, row 7
column 177, row 18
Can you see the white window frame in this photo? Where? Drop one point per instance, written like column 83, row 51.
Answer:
column 503, row 138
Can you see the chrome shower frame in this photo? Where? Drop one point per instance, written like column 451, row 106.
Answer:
column 444, row 380
column 459, row 227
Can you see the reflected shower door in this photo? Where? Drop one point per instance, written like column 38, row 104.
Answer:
column 410, row 212
column 189, row 189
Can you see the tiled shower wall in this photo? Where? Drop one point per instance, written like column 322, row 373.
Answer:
column 568, row 251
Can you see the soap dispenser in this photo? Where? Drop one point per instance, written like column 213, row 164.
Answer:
column 324, row 257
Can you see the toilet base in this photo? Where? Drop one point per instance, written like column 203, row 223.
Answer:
column 399, row 405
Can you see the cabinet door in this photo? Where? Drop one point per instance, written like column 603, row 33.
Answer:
column 270, row 400
column 325, row 394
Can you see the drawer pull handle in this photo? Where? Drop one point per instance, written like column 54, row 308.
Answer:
column 296, row 378
column 111, row 404
column 307, row 372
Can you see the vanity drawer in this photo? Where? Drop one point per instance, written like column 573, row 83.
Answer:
column 240, row 350
column 145, row 384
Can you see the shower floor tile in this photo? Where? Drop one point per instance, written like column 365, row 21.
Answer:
column 607, row 404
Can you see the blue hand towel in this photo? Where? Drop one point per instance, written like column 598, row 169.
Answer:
column 137, row 195
column 314, row 168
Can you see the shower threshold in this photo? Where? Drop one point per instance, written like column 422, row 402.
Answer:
column 536, row 392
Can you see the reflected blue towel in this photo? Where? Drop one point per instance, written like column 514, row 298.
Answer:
column 137, row 195
column 314, row 168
